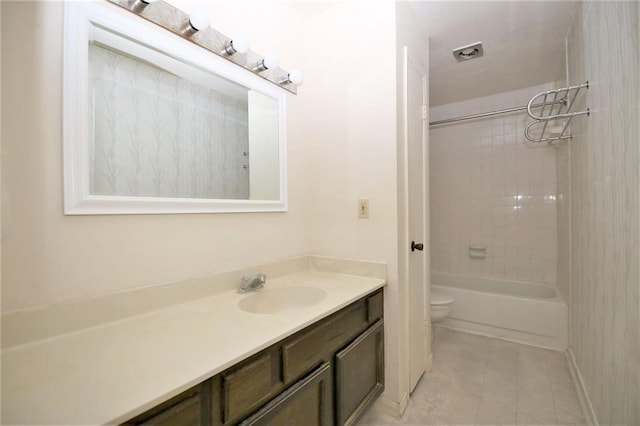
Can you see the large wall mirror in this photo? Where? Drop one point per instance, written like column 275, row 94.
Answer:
column 156, row 124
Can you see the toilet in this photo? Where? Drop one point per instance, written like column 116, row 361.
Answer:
column 440, row 305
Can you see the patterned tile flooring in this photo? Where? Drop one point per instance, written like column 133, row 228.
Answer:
column 478, row 380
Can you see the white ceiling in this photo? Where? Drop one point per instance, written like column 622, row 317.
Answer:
column 523, row 45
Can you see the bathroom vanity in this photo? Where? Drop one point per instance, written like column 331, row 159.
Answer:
column 306, row 349
column 328, row 373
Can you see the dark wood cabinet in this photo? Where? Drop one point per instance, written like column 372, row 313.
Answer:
column 328, row 373
column 359, row 374
column 248, row 386
column 308, row 402
column 186, row 409
column 308, row 348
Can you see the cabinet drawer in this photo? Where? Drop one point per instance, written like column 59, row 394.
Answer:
column 306, row 351
column 359, row 374
column 181, row 410
column 186, row 413
column 247, row 387
column 375, row 307
column 308, row 403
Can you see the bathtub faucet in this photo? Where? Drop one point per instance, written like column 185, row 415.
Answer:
column 254, row 284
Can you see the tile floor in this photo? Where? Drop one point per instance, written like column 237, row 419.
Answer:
column 479, row 380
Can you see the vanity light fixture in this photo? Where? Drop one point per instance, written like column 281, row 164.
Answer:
column 237, row 45
column 234, row 49
column 198, row 21
column 294, row 77
column 268, row 62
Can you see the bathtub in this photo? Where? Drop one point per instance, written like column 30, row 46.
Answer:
column 520, row 311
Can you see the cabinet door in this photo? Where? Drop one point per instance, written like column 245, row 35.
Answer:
column 359, row 374
column 307, row 402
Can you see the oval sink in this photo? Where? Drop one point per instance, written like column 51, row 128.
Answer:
column 275, row 300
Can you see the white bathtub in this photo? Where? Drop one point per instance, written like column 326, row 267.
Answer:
column 525, row 312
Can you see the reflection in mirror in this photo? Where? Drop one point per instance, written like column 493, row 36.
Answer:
column 158, row 134
column 163, row 128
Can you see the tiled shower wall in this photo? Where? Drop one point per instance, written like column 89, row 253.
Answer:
column 491, row 187
column 604, row 301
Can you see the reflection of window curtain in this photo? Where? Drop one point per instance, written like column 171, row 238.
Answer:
column 159, row 135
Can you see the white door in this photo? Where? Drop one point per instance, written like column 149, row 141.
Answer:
column 417, row 152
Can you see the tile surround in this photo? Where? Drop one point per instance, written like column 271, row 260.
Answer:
column 604, row 156
column 477, row 380
column 490, row 187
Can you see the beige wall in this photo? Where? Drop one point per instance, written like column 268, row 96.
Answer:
column 349, row 133
column 603, row 47
column 50, row 257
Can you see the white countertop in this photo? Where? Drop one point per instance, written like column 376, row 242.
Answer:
column 114, row 371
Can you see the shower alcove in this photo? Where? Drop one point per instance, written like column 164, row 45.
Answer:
column 498, row 182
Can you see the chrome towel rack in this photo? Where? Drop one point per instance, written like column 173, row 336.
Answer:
column 565, row 98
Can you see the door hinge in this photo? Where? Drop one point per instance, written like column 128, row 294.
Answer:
column 424, row 112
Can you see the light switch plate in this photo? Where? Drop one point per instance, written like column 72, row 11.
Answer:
column 363, row 209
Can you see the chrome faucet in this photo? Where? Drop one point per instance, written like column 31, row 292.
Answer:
column 254, row 284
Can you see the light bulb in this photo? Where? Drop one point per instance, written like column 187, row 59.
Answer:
column 240, row 44
column 199, row 20
column 267, row 63
column 237, row 45
column 270, row 62
column 296, row 77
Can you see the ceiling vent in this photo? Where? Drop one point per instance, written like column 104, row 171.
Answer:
column 471, row 51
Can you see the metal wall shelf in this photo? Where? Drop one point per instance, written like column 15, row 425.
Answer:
column 565, row 98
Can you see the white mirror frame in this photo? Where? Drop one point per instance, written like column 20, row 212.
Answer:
column 79, row 17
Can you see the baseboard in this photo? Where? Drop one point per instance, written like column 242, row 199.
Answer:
column 429, row 365
column 404, row 401
column 581, row 390
column 391, row 407
column 556, row 343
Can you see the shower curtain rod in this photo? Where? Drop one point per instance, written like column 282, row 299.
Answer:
column 488, row 114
